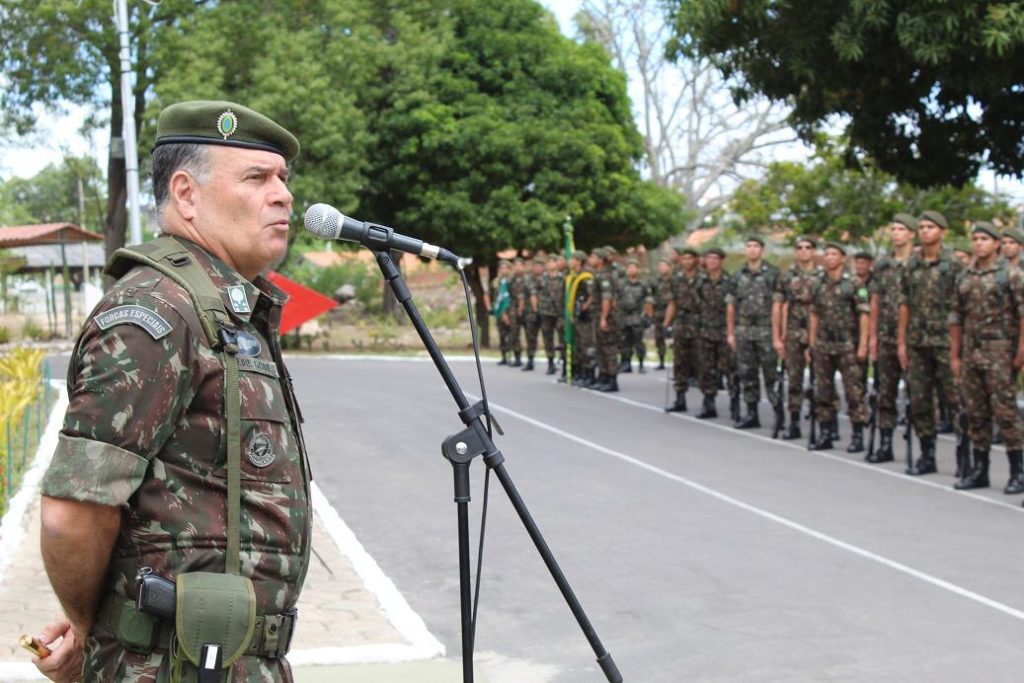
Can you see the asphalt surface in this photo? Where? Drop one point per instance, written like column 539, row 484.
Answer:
column 698, row 551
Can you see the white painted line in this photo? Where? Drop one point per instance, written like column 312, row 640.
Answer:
column 778, row 519
column 422, row 643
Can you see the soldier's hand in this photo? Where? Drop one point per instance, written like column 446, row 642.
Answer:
column 604, row 325
column 64, row 664
column 731, row 341
column 873, row 348
column 780, row 348
column 954, row 366
column 901, row 352
column 862, row 353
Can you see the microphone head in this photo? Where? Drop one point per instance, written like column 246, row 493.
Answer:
column 324, row 221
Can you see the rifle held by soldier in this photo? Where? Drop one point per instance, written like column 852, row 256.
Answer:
column 813, row 414
column 780, row 409
column 873, row 407
column 908, row 432
column 963, row 444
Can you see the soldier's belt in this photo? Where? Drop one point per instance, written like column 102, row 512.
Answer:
column 141, row 632
column 989, row 344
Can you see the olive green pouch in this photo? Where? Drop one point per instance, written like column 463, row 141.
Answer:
column 214, row 624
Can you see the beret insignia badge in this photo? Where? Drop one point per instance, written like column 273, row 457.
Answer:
column 227, row 124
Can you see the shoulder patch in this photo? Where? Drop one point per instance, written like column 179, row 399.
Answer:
column 151, row 321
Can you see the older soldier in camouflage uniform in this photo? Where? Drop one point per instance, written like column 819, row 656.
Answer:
column 716, row 358
column 923, row 339
column 683, row 315
column 662, row 295
column 635, row 303
column 138, row 480
column 585, row 314
column 749, row 328
column 884, row 290
column 518, row 291
column 985, row 326
column 551, row 303
column 607, row 330
column 532, row 313
column 791, row 317
column 840, row 313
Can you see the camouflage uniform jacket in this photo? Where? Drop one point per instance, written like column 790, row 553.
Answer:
column 586, row 307
column 662, row 295
column 752, row 293
column 886, row 279
column 839, row 303
column 605, row 290
column 532, row 284
column 684, row 294
column 713, row 294
column 988, row 305
column 927, row 290
column 633, row 294
column 551, row 294
column 145, row 430
column 796, row 288
column 518, row 290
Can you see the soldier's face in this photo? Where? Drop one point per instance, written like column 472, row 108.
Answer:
column 503, row 271
column 538, row 269
column 1011, row 248
column 900, row 234
column 834, row 258
column 862, row 267
column 632, row 270
column 552, row 267
column 664, row 268
column 984, row 245
column 804, row 252
column 242, row 213
column 519, row 268
column 754, row 250
column 689, row 261
column 929, row 233
column 714, row 263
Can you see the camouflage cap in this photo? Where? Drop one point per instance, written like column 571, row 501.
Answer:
column 866, row 255
column 666, row 260
column 579, row 255
column 906, row 220
column 1015, row 234
column 805, row 238
column 987, row 228
column 755, row 238
column 539, row 260
column 216, row 122
column 715, row 251
column 519, row 259
column 553, row 258
column 935, row 217
column 832, row 244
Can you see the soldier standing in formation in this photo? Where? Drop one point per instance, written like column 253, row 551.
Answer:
column 607, row 321
column 923, row 336
column 550, row 303
column 500, row 305
column 635, row 304
column 1012, row 240
column 584, row 352
column 662, row 295
column 838, row 337
column 532, row 312
column 985, row 319
column 791, row 317
column 749, row 327
column 716, row 358
column 683, row 315
column 517, row 314
column 885, row 296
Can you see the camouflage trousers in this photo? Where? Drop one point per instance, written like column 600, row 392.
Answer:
column 827, row 361
column 584, row 348
column 516, row 332
column 887, row 384
column 929, row 370
column 531, row 324
column 504, row 335
column 608, row 349
column 551, row 330
column 717, row 360
column 633, row 341
column 796, row 361
column 659, row 332
column 989, row 392
column 755, row 358
column 685, row 356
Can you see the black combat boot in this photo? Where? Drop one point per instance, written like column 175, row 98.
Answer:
column 518, row 363
column 977, row 478
column 751, row 420
column 884, row 451
column 833, row 428
column 926, row 463
column 857, row 440
column 1016, row 482
column 794, row 427
column 824, row 441
column 580, row 376
column 708, row 410
column 597, row 382
column 504, row 358
column 529, row 364
column 551, row 367
column 680, row 405
column 640, row 365
column 627, row 364
column 611, row 384
column 661, row 361
column 734, row 409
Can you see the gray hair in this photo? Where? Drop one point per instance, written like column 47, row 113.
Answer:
column 169, row 159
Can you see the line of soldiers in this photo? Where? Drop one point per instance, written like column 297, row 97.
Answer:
column 947, row 326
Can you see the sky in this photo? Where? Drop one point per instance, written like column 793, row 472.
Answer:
column 63, row 136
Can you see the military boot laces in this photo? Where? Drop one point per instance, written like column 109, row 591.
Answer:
column 529, row 364
column 857, row 440
column 680, row 405
column 977, row 478
column 751, row 421
column 884, row 451
column 794, row 427
column 926, row 463
column 1016, row 482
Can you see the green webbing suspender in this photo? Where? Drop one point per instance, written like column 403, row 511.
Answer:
column 174, row 261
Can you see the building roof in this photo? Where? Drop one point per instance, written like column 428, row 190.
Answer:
column 45, row 233
column 46, row 255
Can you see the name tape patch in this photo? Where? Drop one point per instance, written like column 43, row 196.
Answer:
column 264, row 367
column 148, row 320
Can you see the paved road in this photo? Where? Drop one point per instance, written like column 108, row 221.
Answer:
column 699, row 552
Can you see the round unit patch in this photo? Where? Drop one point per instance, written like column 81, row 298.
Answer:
column 227, row 124
column 248, row 344
column 261, row 451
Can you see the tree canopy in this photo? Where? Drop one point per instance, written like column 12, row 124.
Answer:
column 932, row 91
column 71, row 192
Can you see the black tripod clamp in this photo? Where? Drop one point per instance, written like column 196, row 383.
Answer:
column 460, row 449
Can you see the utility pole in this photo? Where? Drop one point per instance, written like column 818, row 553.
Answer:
column 131, row 154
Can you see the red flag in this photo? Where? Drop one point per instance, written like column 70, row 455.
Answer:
column 303, row 303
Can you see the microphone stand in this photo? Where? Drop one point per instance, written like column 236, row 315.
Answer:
column 460, row 449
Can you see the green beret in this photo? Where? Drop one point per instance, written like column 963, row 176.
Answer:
column 906, row 220
column 715, row 251
column 540, row 259
column 611, row 251
column 599, row 252
column 804, row 238
column 579, row 255
column 864, row 255
column 666, row 260
column 691, row 251
column 836, row 245
column 1015, row 234
column 504, row 262
column 987, row 228
column 756, row 238
column 934, row 217
column 211, row 122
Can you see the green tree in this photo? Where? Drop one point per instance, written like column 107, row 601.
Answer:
column 70, row 192
column 931, row 90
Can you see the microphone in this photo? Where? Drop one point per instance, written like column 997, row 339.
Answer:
column 328, row 223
